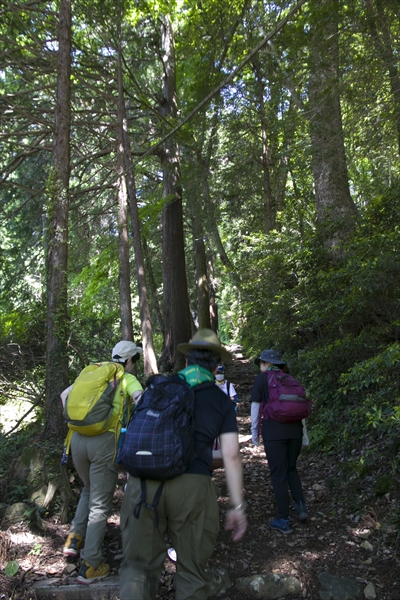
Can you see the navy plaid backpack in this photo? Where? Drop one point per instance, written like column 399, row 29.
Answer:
column 159, row 441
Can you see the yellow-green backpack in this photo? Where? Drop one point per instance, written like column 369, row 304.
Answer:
column 90, row 404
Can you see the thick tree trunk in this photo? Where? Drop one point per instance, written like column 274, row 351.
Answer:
column 123, row 240
column 57, row 254
column 177, row 319
column 336, row 212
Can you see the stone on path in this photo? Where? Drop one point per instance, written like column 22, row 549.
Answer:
column 270, row 586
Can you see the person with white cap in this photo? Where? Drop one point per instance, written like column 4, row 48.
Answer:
column 93, row 457
column 187, row 508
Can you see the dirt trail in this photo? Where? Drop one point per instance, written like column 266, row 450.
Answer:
column 329, row 542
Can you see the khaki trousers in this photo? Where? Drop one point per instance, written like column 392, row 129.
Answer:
column 93, row 459
column 188, row 510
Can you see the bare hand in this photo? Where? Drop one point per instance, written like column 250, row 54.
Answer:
column 236, row 522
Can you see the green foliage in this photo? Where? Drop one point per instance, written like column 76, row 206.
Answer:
column 11, row 568
column 336, row 322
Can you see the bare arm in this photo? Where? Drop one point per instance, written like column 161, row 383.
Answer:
column 64, row 394
column 235, row 517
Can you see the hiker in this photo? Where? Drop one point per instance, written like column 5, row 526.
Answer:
column 282, row 444
column 187, row 508
column 93, row 457
column 226, row 386
column 228, row 389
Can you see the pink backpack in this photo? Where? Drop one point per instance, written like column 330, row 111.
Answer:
column 287, row 401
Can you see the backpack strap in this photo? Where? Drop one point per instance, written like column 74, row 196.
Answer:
column 265, row 399
column 153, row 506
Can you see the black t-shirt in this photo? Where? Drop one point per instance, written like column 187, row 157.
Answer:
column 214, row 414
column 272, row 430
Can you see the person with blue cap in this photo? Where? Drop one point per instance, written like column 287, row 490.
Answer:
column 226, row 386
column 282, row 444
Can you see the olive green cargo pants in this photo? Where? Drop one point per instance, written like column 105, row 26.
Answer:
column 188, row 510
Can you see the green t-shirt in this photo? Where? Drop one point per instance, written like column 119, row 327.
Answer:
column 126, row 387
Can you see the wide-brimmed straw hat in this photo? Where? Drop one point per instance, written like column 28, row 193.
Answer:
column 205, row 339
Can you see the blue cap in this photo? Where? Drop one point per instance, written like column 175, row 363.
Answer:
column 270, row 356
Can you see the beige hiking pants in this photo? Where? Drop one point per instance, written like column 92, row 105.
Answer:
column 93, row 459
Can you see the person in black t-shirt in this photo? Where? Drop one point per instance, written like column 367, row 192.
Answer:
column 188, row 508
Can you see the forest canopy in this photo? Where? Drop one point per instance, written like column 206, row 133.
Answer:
column 173, row 165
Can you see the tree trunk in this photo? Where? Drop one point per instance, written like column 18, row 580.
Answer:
column 336, row 212
column 177, row 320
column 203, row 299
column 123, row 240
column 379, row 18
column 149, row 357
column 269, row 209
column 57, row 254
column 212, row 290
column 153, row 287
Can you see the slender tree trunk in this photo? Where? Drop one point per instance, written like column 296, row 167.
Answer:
column 208, row 208
column 153, row 287
column 212, row 287
column 269, row 209
column 57, row 254
column 203, row 299
column 336, row 211
column 378, row 22
column 177, row 317
column 149, row 356
column 123, row 240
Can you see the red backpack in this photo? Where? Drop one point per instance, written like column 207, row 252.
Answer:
column 287, row 402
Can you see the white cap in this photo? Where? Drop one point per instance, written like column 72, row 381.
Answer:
column 124, row 350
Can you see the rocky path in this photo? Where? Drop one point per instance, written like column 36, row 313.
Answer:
column 341, row 553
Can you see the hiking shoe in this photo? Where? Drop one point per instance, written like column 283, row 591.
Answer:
column 88, row 574
column 282, row 525
column 301, row 511
column 73, row 544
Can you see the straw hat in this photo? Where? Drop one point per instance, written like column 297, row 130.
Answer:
column 205, row 339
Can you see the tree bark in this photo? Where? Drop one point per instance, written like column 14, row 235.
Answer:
column 149, row 357
column 212, row 290
column 336, row 211
column 203, row 299
column 177, row 319
column 153, row 287
column 383, row 44
column 57, row 254
column 124, row 278
column 269, row 209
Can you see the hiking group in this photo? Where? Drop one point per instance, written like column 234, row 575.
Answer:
column 165, row 438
